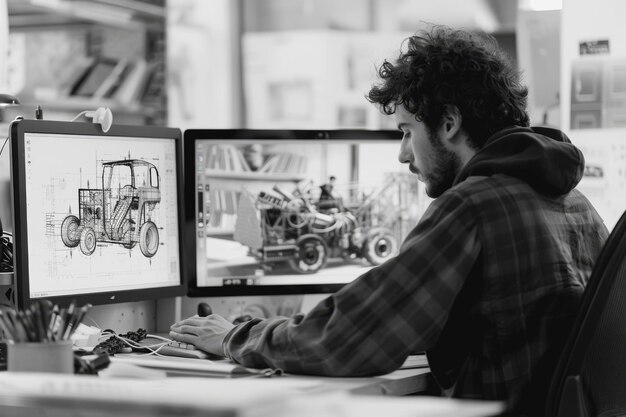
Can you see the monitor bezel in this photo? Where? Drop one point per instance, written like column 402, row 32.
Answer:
column 189, row 141
column 20, row 223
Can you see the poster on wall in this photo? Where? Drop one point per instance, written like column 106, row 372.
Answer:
column 594, row 47
column 604, row 177
column 598, row 98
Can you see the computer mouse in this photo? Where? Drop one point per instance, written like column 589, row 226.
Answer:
column 204, row 309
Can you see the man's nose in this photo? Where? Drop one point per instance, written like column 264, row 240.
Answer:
column 403, row 154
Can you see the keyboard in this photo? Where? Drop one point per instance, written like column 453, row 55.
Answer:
column 182, row 350
column 182, row 345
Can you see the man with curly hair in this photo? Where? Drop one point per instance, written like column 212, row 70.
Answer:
column 489, row 281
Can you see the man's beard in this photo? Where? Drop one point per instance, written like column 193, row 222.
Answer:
column 444, row 167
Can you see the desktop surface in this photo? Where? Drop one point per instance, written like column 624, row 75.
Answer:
column 36, row 394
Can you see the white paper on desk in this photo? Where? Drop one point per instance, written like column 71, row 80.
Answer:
column 415, row 361
column 187, row 396
column 186, row 366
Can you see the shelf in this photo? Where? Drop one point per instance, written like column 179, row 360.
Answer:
column 71, row 107
column 133, row 14
column 254, row 176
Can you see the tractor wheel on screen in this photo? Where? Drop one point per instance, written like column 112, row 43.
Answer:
column 149, row 239
column 312, row 254
column 379, row 246
column 70, row 231
column 88, row 241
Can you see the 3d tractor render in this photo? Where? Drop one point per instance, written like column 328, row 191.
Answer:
column 290, row 228
column 120, row 212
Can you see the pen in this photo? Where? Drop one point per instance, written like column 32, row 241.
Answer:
column 35, row 316
column 29, row 325
column 68, row 320
column 12, row 322
column 79, row 315
column 6, row 328
column 53, row 322
column 60, row 324
column 41, row 322
column 45, row 307
column 20, row 327
column 20, row 332
column 70, row 325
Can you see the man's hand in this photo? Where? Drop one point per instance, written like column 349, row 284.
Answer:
column 206, row 333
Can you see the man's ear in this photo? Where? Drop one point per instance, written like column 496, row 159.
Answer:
column 450, row 125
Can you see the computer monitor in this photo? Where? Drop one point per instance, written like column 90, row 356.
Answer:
column 261, row 218
column 97, row 216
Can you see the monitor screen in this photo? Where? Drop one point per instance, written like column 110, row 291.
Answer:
column 97, row 216
column 292, row 211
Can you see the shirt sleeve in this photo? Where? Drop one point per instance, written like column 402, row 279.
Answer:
column 371, row 325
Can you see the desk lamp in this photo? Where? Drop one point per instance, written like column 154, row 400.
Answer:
column 8, row 100
column 6, row 246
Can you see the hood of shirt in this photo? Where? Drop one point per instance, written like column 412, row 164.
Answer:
column 542, row 157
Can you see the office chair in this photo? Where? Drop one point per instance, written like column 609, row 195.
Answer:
column 590, row 376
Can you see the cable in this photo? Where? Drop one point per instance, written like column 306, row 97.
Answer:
column 17, row 119
column 6, row 238
column 82, row 113
column 4, row 144
column 95, row 323
column 116, row 343
column 119, row 342
column 6, row 252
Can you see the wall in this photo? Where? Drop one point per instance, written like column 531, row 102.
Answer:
column 601, row 103
column 4, row 43
column 538, row 53
column 203, row 68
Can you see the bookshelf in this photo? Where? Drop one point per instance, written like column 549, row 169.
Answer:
column 90, row 59
column 228, row 174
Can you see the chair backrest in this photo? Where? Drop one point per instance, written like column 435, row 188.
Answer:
column 590, row 377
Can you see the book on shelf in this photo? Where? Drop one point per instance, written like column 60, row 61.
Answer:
column 224, row 201
column 284, row 162
column 90, row 76
column 122, row 80
column 226, row 158
column 134, row 82
column 230, row 158
column 109, row 84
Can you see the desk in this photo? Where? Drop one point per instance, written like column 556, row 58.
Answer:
column 36, row 395
column 399, row 383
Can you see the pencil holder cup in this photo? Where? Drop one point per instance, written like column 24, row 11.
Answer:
column 56, row 357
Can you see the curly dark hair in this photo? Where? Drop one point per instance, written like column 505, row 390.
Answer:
column 447, row 67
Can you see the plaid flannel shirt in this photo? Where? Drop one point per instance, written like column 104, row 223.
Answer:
column 487, row 283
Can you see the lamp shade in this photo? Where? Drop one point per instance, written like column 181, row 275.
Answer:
column 8, row 100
